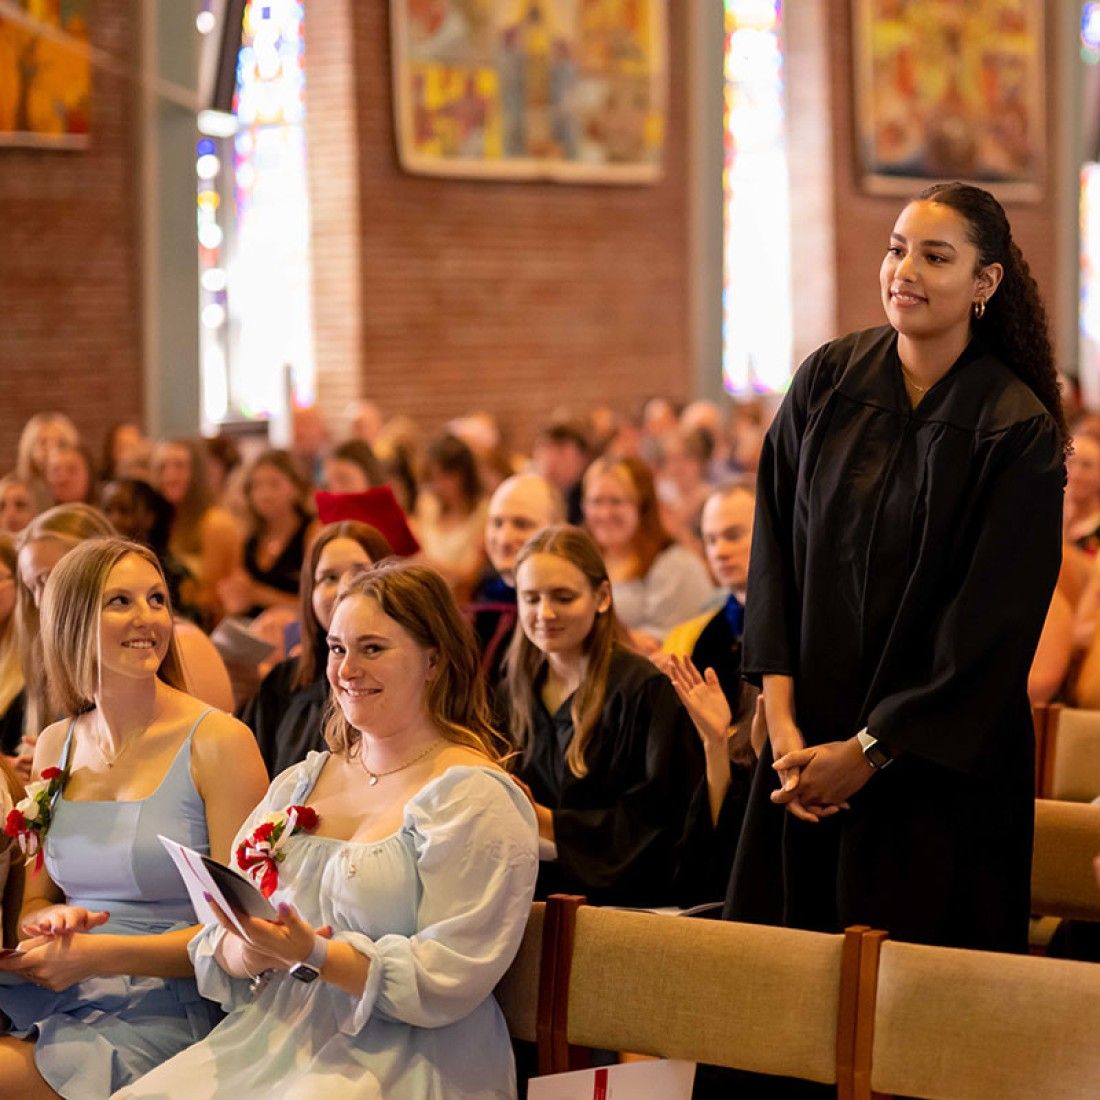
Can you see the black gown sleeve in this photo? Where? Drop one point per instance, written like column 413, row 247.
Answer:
column 771, row 605
column 629, row 852
column 984, row 639
column 264, row 712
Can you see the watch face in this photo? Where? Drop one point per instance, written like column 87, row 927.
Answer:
column 304, row 973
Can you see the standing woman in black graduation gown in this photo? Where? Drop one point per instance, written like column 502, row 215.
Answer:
column 906, row 546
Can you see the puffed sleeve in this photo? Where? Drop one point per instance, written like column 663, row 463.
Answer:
column 985, row 637
column 213, row 982
column 476, row 842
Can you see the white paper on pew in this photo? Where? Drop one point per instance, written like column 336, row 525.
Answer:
column 660, row 1080
column 198, row 881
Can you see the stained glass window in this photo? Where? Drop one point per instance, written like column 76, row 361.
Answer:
column 756, row 291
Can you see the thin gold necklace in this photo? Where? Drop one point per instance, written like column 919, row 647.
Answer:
column 111, row 761
column 375, row 776
column 912, row 382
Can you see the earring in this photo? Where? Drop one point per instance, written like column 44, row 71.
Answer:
column 979, row 308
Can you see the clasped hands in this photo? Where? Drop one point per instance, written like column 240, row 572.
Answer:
column 816, row 782
column 56, row 954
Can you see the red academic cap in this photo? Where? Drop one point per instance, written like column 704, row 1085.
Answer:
column 378, row 507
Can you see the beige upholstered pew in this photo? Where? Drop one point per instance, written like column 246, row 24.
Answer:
column 972, row 1025
column 1067, row 840
column 1069, row 768
column 767, row 1000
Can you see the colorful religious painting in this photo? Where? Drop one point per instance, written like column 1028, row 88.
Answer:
column 950, row 89
column 45, row 73
column 569, row 90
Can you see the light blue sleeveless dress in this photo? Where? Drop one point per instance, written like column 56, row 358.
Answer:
column 100, row 1034
column 438, row 907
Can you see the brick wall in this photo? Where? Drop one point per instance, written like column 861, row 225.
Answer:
column 516, row 298
column 70, row 335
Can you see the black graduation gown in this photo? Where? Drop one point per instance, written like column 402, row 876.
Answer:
column 636, row 829
column 492, row 613
column 902, row 564
column 286, row 722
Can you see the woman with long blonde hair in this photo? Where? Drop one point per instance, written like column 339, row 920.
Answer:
column 106, row 988
column 407, row 865
column 604, row 746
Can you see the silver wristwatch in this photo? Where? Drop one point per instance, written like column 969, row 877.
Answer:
column 874, row 751
column 309, row 969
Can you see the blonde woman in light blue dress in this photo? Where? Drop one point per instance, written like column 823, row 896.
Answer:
column 400, row 906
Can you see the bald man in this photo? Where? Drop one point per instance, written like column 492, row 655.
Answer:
column 521, row 506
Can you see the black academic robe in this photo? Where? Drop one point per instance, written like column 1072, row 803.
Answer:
column 492, row 613
column 902, row 564
column 635, row 830
column 286, row 721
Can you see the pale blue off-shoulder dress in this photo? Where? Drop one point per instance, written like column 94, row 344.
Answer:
column 439, row 908
column 102, row 1033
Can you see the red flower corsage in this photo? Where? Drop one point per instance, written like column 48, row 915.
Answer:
column 29, row 822
column 260, row 854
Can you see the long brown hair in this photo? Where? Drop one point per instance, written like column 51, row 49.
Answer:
column 419, row 600
column 635, row 476
column 314, row 655
column 186, row 535
column 283, row 463
column 525, row 659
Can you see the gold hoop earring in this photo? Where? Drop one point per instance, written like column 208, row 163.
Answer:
column 979, row 309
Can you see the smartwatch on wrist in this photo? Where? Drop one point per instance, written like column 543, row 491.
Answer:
column 874, row 752
column 309, row 969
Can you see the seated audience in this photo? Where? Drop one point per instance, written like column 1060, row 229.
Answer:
column 609, row 755
column 282, row 525
column 561, row 454
column 521, row 506
column 713, row 639
column 1081, row 512
column 402, row 899
column 205, row 537
column 70, row 475
column 684, row 482
column 352, row 467
column 222, row 458
column 41, row 434
column 11, row 668
column 287, row 712
column 16, row 504
column 657, row 582
column 102, row 990
column 364, row 421
column 124, row 447
column 450, row 513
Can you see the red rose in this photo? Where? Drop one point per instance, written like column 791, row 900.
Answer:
column 307, row 817
column 269, row 881
column 264, row 831
column 51, row 773
column 15, row 823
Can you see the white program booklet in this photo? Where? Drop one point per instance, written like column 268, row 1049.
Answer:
column 659, row 1080
column 232, row 892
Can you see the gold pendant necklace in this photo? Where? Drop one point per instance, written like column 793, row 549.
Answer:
column 375, row 776
column 912, row 382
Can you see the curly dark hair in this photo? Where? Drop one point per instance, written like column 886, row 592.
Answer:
column 1015, row 320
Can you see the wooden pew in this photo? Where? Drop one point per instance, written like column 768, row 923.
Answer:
column 1069, row 770
column 974, row 1025
column 526, row 992
column 766, row 1000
